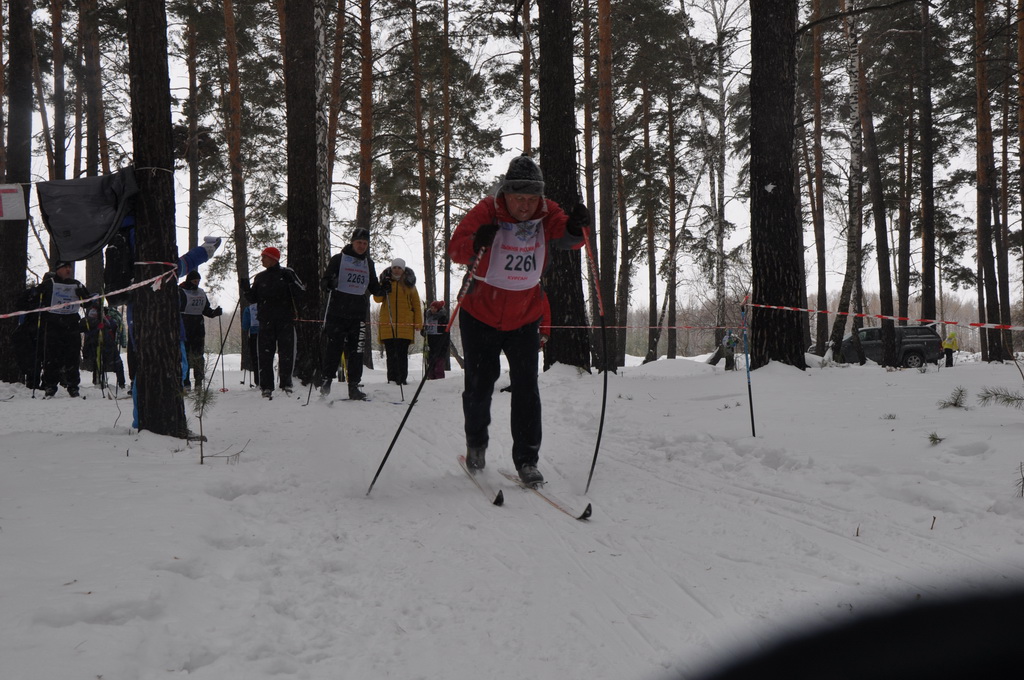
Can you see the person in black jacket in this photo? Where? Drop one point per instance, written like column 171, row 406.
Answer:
column 349, row 278
column 28, row 335
column 62, row 338
column 275, row 290
column 194, row 304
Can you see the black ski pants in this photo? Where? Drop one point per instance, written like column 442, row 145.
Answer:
column 482, row 346
column 62, row 352
column 397, row 351
column 276, row 337
column 348, row 335
column 195, row 351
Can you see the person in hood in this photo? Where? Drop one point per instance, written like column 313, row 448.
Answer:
column 507, row 237
column 401, row 317
column 275, row 291
column 62, row 337
column 194, row 305
column 349, row 279
column 950, row 345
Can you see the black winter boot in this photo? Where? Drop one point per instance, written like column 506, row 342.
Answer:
column 475, row 457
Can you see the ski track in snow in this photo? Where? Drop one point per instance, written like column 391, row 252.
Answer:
column 130, row 560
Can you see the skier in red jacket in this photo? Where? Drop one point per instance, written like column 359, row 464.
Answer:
column 511, row 233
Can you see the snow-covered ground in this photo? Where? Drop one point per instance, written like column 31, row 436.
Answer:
column 123, row 558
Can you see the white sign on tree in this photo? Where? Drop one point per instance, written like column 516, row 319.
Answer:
column 12, row 202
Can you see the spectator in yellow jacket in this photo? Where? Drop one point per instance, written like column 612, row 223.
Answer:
column 401, row 318
column 950, row 345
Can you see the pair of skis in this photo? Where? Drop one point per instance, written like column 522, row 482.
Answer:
column 499, row 497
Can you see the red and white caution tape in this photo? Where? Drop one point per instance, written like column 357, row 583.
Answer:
column 157, row 282
column 996, row 326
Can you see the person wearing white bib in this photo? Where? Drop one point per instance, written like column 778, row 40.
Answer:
column 510, row 233
column 195, row 308
column 349, row 279
column 62, row 337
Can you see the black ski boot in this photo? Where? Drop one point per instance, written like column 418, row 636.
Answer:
column 355, row 394
column 530, row 475
column 475, row 457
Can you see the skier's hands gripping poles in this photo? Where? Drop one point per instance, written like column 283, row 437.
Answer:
column 604, row 352
column 423, row 380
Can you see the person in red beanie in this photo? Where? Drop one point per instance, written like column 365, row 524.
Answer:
column 510, row 234
column 275, row 291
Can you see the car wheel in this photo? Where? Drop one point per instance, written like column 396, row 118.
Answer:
column 913, row 360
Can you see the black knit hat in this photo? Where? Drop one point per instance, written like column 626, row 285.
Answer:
column 61, row 263
column 193, row 275
column 360, row 234
column 523, row 177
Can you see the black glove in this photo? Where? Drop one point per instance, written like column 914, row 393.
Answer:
column 385, row 285
column 385, row 276
column 218, row 311
column 579, row 217
column 484, row 237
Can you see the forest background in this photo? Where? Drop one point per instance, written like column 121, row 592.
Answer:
column 418, row 105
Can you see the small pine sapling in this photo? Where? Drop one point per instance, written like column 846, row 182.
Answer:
column 1001, row 396
column 956, row 399
column 935, row 439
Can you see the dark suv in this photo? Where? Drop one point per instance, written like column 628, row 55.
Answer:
column 915, row 345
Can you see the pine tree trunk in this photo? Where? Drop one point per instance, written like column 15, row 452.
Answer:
column 14, row 234
column 623, row 290
column 905, row 217
column 818, row 208
column 364, row 213
column 304, row 214
column 94, row 127
column 854, row 201
column 776, row 256
column 927, row 134
column 158, row 377
column 234, row 139
column 44, row 118
column 563, row 281
column 1003, row 234
column 192, row 117
column 673, row 240
column 3, row 88
column 60, row 123
column 1020, row 90
column 426, row 215
column 648, row 210
column 878, row 213
column 985, row 180
column 527, row 79
column 446, row 163
column 608, row 359
column 589, row 172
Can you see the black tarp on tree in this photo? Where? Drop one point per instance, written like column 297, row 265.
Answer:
column 83, row 214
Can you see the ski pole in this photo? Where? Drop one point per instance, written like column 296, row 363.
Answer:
column 220, row 354
column 746, row 356
column 220, row 327
column 604, row 355
column 419, row 388
column 423, row 380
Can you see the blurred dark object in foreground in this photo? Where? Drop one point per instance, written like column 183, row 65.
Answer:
column 963, row 637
